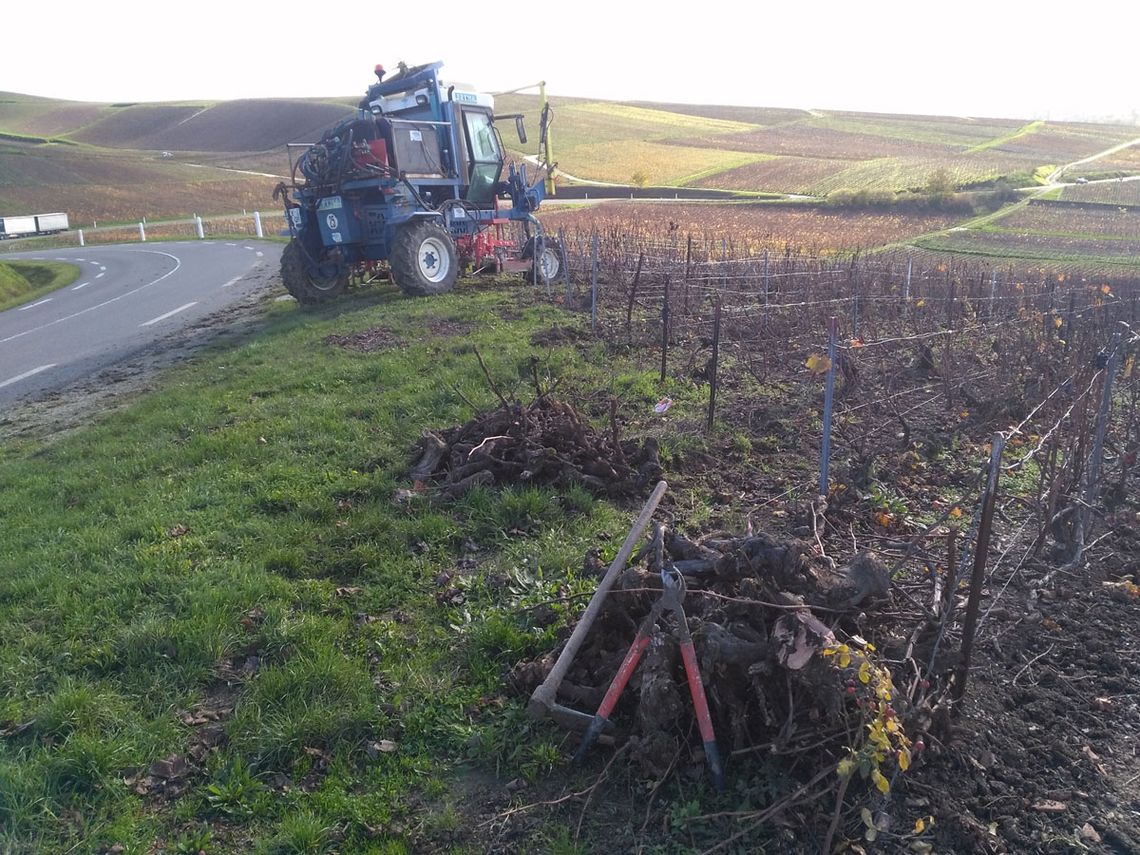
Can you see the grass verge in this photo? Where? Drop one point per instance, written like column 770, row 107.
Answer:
column 24, row 281
column 219, row 628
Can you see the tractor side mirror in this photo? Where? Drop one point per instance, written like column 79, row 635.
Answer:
column 521, row 128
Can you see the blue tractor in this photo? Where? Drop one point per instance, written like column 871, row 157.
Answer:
column 411, row 185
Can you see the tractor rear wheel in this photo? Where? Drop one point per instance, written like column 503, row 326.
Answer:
column 302, row 284
column 423, row 259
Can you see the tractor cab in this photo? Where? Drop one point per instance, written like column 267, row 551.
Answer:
column 438, row 133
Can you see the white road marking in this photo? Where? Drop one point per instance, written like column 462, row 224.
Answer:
column 260, row 253
column 250, row 248
column 26, row 375
column 82, row 259
column 101, row 267
column 169, row 273
column 232, row 281
column 231, row 244
column 169, row 314
column 100, row 275
column 33, row 305
column 81, row 285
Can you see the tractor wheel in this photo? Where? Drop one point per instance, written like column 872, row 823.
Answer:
column 549, row 263
column 423, row 259
column 306, row 288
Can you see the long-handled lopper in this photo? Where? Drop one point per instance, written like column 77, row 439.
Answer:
column 672, row 598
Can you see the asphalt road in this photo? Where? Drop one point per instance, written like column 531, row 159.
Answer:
column 127, row 298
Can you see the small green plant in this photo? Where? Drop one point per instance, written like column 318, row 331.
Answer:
column 301, row 833
column 194, row 841
column 235, row 792
column 884, row 500
column 542, row 758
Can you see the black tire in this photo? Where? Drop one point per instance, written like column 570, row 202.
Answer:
column 423, row 259
column 549, row 265
column 306, row 288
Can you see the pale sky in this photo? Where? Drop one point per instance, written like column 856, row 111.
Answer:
column 995, row 58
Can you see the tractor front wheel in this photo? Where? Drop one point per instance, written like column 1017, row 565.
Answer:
column 549, row 266
column 423, row 259
column 302, row 284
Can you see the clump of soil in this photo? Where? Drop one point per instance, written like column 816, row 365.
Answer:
column 544, row 442
column 556, row 335
column 371, row 340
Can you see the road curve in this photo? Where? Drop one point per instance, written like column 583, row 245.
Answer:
column 127, row 298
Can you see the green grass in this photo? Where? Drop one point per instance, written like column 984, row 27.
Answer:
column 247, row 510
column 24, row 281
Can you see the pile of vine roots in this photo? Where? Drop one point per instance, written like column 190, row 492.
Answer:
column 760, row 611
column 545, row 442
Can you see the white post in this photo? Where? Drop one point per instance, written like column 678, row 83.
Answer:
column 142, row 232
column 201, row 231
column 257, row 223
column 81, row 243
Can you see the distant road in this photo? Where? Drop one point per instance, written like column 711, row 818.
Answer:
column 127, row 298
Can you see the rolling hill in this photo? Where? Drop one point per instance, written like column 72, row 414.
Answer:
column 105, row 161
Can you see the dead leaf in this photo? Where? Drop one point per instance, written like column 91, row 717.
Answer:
column 348, row 591
column 1090, row 834
column 179, row 530
column 817, row 363
column 1050, row 806
column 380, row 746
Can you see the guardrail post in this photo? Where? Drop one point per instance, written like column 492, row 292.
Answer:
column 142, row 233
column 201, row 230
column 257, row 224
column 81, row 243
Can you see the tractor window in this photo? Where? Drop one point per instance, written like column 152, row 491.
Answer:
column 486, row 157
column 483, row 144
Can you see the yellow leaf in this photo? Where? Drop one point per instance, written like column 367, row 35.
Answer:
column 904, row 759
column 920, row 304
column 956, row 513
column 919, row 825
column 881, row 783
column 817, row 363
column 1057, row 322
column 865, row 672
column 1128, row 364
column 845, row 768
column 1104, row 289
